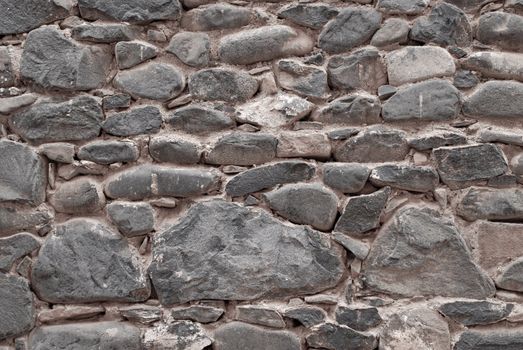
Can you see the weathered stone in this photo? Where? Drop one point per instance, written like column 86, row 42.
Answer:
column 198, row 313
column 199, row 119
column 216, row 17
column 405, row 177
column 17, row 302
column 345, row 177
column 308, row 316
column 193, row 49
column 325, row 299
column 11, row 104
column 104, row 33
column 437, row 139
column 515, row 5
column 423, row 241
column 471, row 313
column 132, row 219
column 83, row 167
column 116, row 101
column 359, row 249
column 82, row 195
column 140, row 120
column 501, row 135
column 222, row 84
column 268, row 176
column 136, row 11
column 403, row 7
column 155, row 81
column 14, row 219
column 314, row 15
column 129, row 54
column 7, row 72
column 357, row 109
column 303, row 144
column 495, row 99
column 386, row 91
column 263, row 44
column 516, row 164
column 499, row 65
column 14, row 247
column 334, row 337
column 243, row 149
column 83, row 261
column 76, row 312
column 360, row 319
column 493, row 339
column 492, row 204
column 352, row 27
column 362, row 213
column 144, row 314
column 342, row 134
column 502, row 29
column 245, row 270
column 171, row 149
column 53, row 61
column 240, row 336
column 511, row 276
column 470, row 6
column 20, row 17
column 260, row 315
column 465, row 79
column 309, row 204
column 146, row 181
column 303, row 79
column 74, row 120
column 177, row 336
column 108, row 152
column 393, row 31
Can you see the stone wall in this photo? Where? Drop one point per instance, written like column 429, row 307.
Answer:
column 261, row 175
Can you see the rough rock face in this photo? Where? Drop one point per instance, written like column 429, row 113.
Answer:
column 130, row 11
column 78, row 196
column 502, row 99
column 196, row 119
column 20, row 17
column 222, row 84
column 491, row 204
column 501, row 29
column 498, row 339
column 141, row 120
column 243, row 149
column 17, row 302
column 334, row 337
column 470, row 313
column 14, row 247
column 354, row 109
column 216, row 17
column 238, row 336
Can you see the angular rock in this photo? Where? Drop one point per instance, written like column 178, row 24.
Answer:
column 198, row 313
column 309, row 204
column 132, row 219
column 15, row 219
column 471, row 313
column 495, row 99
column 511, row 276
column 342, row 134
column 60, row 313
column 428, row 141
column 303, row 79
column 177, row 335
column 130, row 53
column 216, row 17
column 240, row 336
column 308, row 316
column 243, row 149
column 345, row 177
column 465, row 79
column 304, row 144
column 199, row 119
column 423, row 241
column 499, row 65
column 171, row 149
column 83, row 262
column 359, row 249
column 17, row 302
column 7, row 73
column 222, row 84
column 245, row 270
column 20, row 17
column 193, row 49
column 516, row 164
column 334, row 337
column 403, row 7
column 136, row 121
column 144, row 314
column 14, row 247
column 360, row 319
column 501, row 29
column 492, row 204
column 393, row 31
column 82, row 195
column 492, row 339
column 108, row 152
column 116, row 101
column 314, row 15
column 135, row 11
column 405, row 177
column 357, row 109
column 11, row 104
column 104, row 33
column 260, row 315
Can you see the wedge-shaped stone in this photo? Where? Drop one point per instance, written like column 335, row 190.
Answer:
column 216, row 17
column 491, row 339
column 499, row 65
column 22, row 16
column 492, row 204
column 405, row 177
column 334, row 337
column 130, row 10
column 17, row 305
column 240, row 336
column 14, row 247
column 129, row 54
column 511, row 277
column 243, row 149
column 495, row 99
column 502, row 29
column 223, row 84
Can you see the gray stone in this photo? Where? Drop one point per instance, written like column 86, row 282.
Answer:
column 492, row 204
column 334, row 337
column 23, row 175
column 495, row 99
column 74, row 120
column 78, row 196
column 130, row 53
column 198, row 313
column 263, row 316
column 132, row 219
column 139, row 120
column 309, row 204
column 352, row 27
column 193, row 49
column 342, row 134
column 345, row 177
column 393, row 31
column 461, row 165
column 421, row 242
column 359, row 249
column 314, row 15
column 491, row 339
column 360, row 319
column 149, row 181
column 199, row 119
column 83, row 261
column 471, row 313
column 465, row 79
column 263, row 44
column 386, row 91
column 515, row 5
column 222, row 84
column 15, row 219
column 469, row 6
column 511, row 276
column 216, row 17
column 308, row 316
column 501, row 29
column 362, row 213
column 16, row 302
column 405, row 177
column 136, row 11
column 428, row 141
column 53, row 61
column 499, row 65
column 14, row 247
column 144, row 314
column 241, row 336
column 243, row 149
column 7, row 73
column 84, row 167
column 303, row 79
column 11, row 104
column 22, row 16
column 86, row 336
column 155, row 81
column 354, row 109
column 116, row 101
column 108, row 152
column 104, row 33
column 403, row 7
column 172, row 149
column 268, row 176
column 303, row 144
column 215, row 268
column 177, row 336
column 516, row 164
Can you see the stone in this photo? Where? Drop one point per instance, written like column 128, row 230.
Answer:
column 104, row 33
column 23, row 174
column 131, row 53
column 342, row 134
column 11, row 104
column 268, row 176
column 308, row 316
column 465, row 79
column 17, row 301
column 144, row 314
column 510, row 277
column 177, row 335
column 352, row 27
column 309, row 204
column 198, row 313
column 216, row 17
column 116, row 101
column 440, row 138
column 516, row 164
column 405, row 177
column 60, row 313
column 515, row 5
column 223, row 84
column 325, row 299
column 501, row 135
column 75, row 120
column 472, row 313
column 152, row 181
column 345, row 177
column 495, row 99
column 88, row 336
column 105, row 268
column 303, row 144
column 243, row 149
column 303, row 79
column 501, row 29
column 15, row 247
column 470, row 6
column 362, row 213
column 61, row 152
column 172, row 149
column 131, row 218
column 263, row 44
column 260, row 315
column 7, row 73
column 245, row 270
column 78, row 196
column 134, row 11
column 83, row 167
column 110, row 151
column 314, row 15
column 393, row 31
column 360, row 319
column 53, row 61
column 240, row 336
column 461, row 165
column 21, row 17
column 193, row 49
column 498, row 65
column 403, row 7
column 155, row 81
column 15, row 219
column 335, row 337
column 354, row 109
column 359, row 249
column 421, row 240
column 490, row 339
column 199, row 119
column 491, row 204
column 136, row 121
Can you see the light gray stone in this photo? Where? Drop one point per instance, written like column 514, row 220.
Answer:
column 393, row 31
column 405, row 177
column 116, row 101
column 7, row 71
column 307, row 80
column 499, row 65
column 131, row 53
column 471, row 313
column 14, row 247
column 172, row 149
column 495, row 99
column 17, row 302
column 403, row 7
column 240, row 336
column 491, row 339
column 359, row 249
column 198, row 313
column 199, row 119
column 22, row 16
column 303, row 144
column 216, row 17
column 141, row 313
column 501, row 29
column 222, row 84
column 136, row 121
column 177, row 335
column 345, row 177
column 78, row 196
column 314, row 15
column 135, row 11
column 511, row 276
column 11, row 104
column 243, row 149
column 260, row 315
column 193, row 49
column 131, row 218
column 491, row 204
column 335, row 337
column 104, row 33
column 108, row 152
column 354, row 109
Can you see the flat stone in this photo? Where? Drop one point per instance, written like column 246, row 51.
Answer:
column 104, row 33
column 244, row 270
column 510, row 277
column 472, row 313
column 172, row 149
column 136, row 121
column 495, row 99
column 21, row 17
column 199, row 119
column 353, row 109
column 116, row 101
column 15, row 219
column 60, row 313
column 309, row 204
column 352, row 27
column 216, row 17
column 393, row 31
column 243, row 149
column 150, row 181
column 260, row 315
column 23, row 174
column 345, row 177
column 78, row 196
column 222, row 84
column 135, row 11
column 308, row 316
column 461, row 165
column 53, row 61
column 7, row 72
column 403, row 7
column 268, row 176
column 193, row 49
column 360, row 319
column 17, row 301
column 491, row 339
column 131, row 218
column 15, row 247
column 198, row 313
column 501, row 29
column 110, row 151
column 155, row 81
column 342, row 134
column 440, row 138
column 314, row 15
column 358, row 248
column 499, row 65
column 491, row 204
column 405, row 177
column 501, row 135
column 423, row 241
column 325, row 299
column 177, row 335
column 11, row 104
column 335, row 337
column 307, row 80
column 74, row 120
column 263, row 44
column 144, row 314
column 240, row 336
column 386, row 91
column 131, row 53
column 303, row 144
column 88, row 248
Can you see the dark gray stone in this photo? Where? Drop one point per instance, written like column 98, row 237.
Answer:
column 342, row 134
column 7, row 73
column 465, row 79
column 495, row 99
column 403, row 7
column 17, row 306
column 501, row 29
column 491, row 339
column 171, row 149
column 216, row 17
column 82, row 195
column 260, row 315
column 104, row 33
column 15, row 219
column 309, row 204
column 313, row 16
column 511, row 276
column 499, row 65
column 230, row 253
column 14, row 247
column 241, row 336
column 74, row 120
column 22, row 16
column 243, row 149
column 199, row 119
column 222, row 84
column 136, row 11
column 428, row 141
column 405, row 177
column 198, row 313
column 308, row 316
column 393, row 31
column 108, row 152
column 303, row 79
column 53, row 61
column 116, row 101
column 492, row 204
column 352, row 27
column 471, row 313
column 501, row 135
column 386, row 91
column 193, row 49
column 140, row 120
column 356, row 247
column 83, row 262
column 177, row 335
column 354, row 109
column 421, row 242
column 132, row 219
column 345, row 177
column 360, row 319
column 334, row 337
column 129, row 54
